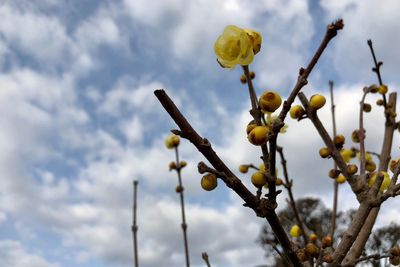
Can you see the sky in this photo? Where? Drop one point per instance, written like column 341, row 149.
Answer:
column 79, row 121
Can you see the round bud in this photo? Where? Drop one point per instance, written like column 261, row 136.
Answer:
column 250, row 126
column 317, row 101
column 333, row 173
column 209, row 182
column 301, row 255
column 373, row 88
column 395, row 251
column 252, row 75
column 347, row 154
column 341, row 179
column 355, row 137
column 295, row 231
column 324, row 152
column 312, row 249
column 243, row 79
column 338, row 140
column 172, row 141
column 383, row 89
column 313, row 237
column 179, row 189
column 385, row 183
column 328, row 258
column 370, row 166
column 379, row 102
column 182, row 164
column 326, row 241
column 367, row 107
column 244, row 168
column 296, row 112
column 393, row 164
column 172, row 165
column 270, row 101
column 352, row 169
column 279, row 181
column 258, row 135
column 394, row 260
column 259, row 179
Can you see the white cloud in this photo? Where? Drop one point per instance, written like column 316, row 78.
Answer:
column 13, row 253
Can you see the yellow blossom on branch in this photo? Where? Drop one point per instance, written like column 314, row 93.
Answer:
column 237, row 46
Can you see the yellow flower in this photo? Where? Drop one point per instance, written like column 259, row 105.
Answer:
column 271, row 119
column 256, row 40
column 234, row 47
column 368, row 156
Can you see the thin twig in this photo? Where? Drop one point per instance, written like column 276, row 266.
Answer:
column 377, row 69
column 374, row 257
column 182, row 199
column 335, row 184
column 361, row 135
column 292, row 202
column 134, row 224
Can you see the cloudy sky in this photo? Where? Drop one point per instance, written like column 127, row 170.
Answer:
column 79, row 121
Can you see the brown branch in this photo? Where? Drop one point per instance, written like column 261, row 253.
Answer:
column 358, row 187
column 335, row 184
column 262, row 207
column 134, row 225
column 182, row 199
column 390, row 127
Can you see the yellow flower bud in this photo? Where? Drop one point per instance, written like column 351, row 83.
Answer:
column 338, row 140
column 296, row 112
column 312, row 249
column 370, row 165
column 393, row 164
column 367, row 107
column 243, row 79
column 172, row 165
column 250, row 126
column 317, row 101
column 346, row 154
column 234, row 47
column 172, row 141
column 295, row 231
column 182, row 164
column 258, row 135
column 341, row 179
column 209, row 182
column 270, row 101
column 324, row 152
column 301, row 255
column 379, row 102
column 352, row 169
column 279, row 181
column 383, row 89
column 333, row 173
column 385, row 183
column 355, row 137
column 313, row 237
column 256, row 40
column 244, row 168
column 326, row 241
column 328, row 258
column 259, row 179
